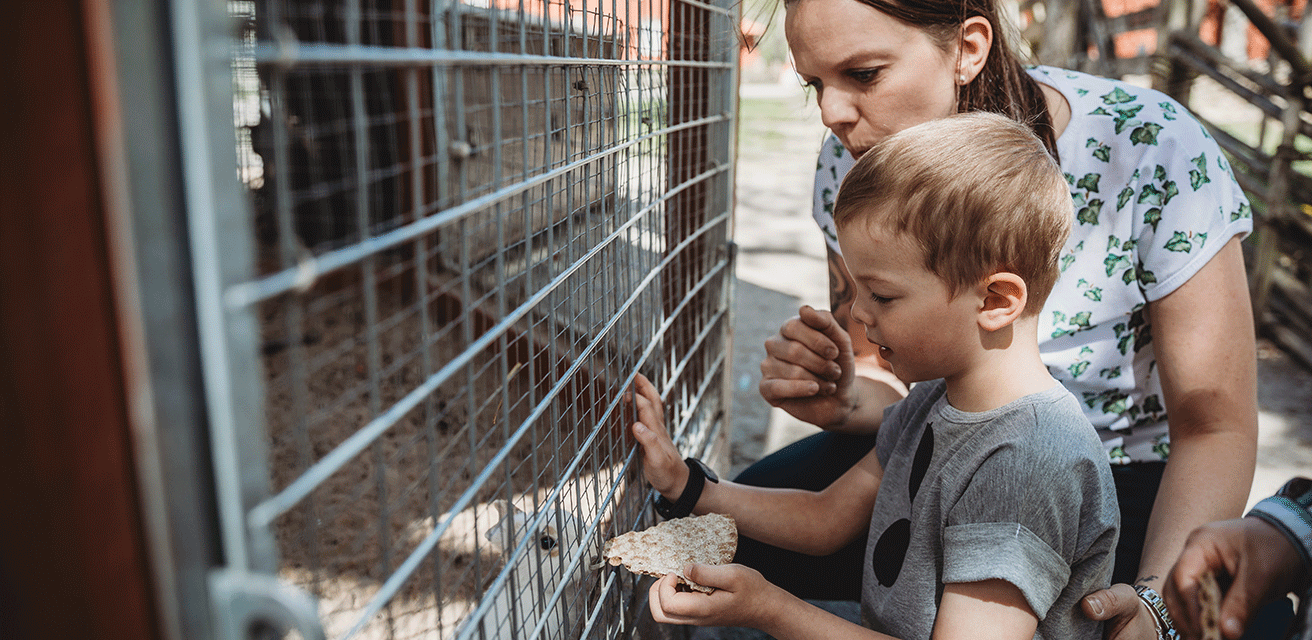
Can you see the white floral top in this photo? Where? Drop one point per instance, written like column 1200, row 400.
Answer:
column 1154, row 201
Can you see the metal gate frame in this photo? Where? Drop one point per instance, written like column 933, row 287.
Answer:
column 205, row 466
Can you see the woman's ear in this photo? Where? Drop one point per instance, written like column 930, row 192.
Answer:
column 976, row 42
column 1005, row 297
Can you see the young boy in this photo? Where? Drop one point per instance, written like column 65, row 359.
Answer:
column 990, row 502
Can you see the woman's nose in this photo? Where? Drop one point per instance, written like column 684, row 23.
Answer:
column 837, row 108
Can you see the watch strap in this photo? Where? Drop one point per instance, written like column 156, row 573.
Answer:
column 692, row 492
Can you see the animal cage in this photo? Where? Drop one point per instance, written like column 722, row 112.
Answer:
column 460, row 228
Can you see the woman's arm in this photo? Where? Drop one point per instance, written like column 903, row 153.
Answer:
column 821, row 369
column 1206, row 357
column 817, row 523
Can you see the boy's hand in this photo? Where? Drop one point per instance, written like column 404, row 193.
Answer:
column 809, row 369
column 661, row 462
column 742, row 597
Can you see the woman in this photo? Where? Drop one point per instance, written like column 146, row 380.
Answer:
column 1150, row 325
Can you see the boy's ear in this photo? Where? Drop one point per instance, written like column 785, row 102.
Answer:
column 1005, row 297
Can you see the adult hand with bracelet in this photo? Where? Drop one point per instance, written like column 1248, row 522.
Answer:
column 1263, row 556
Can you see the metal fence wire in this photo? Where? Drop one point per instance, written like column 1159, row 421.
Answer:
column 473, row 223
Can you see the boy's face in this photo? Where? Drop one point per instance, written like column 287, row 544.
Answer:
column 921, row 330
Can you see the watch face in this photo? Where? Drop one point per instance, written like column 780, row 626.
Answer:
column 710, row 475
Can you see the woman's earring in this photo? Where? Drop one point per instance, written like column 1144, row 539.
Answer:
column 961, row 79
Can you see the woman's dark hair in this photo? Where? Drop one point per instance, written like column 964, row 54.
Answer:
column 1002, row 86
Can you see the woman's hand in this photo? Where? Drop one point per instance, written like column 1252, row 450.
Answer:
column 661, row 462
column 742, row 597
column 1127, row 617
column 809, row 369
column 1264, row 565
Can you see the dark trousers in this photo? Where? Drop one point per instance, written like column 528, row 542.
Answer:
column 814, row 462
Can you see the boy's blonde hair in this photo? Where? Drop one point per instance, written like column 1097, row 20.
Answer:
column 977, row 191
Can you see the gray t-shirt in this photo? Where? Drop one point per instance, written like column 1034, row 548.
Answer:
column 1023, row 493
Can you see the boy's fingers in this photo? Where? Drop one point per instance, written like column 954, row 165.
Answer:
column 648, row 391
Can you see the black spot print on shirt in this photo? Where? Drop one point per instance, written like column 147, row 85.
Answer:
column 891, row 549
column 921, row 464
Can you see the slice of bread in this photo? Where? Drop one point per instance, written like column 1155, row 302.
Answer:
column 667, row 547
column 1209, row 606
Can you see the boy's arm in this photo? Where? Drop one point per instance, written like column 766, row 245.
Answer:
column 817, row 523
column 993, row 609
column 988, row 610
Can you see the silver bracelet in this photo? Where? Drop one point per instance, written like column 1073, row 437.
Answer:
column 1161, row 618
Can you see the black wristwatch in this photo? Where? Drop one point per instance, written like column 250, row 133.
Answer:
column 698, row 474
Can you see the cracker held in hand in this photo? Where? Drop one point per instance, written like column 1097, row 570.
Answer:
column 1209, row 605
column 669, row 546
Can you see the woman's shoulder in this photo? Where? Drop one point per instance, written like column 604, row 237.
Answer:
column 1110, row 112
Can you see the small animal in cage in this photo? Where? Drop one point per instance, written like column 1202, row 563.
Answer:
column 525, row 599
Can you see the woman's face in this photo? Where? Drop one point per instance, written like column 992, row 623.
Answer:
column 873, row 75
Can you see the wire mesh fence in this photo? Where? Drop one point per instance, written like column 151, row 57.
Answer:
column 473, row 223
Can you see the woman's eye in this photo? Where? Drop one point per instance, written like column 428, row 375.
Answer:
column 880, row 299
column 864, row 76
column 811, row 84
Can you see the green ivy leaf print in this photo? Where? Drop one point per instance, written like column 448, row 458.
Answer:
column 1111, row 373
column 1168, row 110
column 833, row 171
column 1070, row 179
column 1082, row 92
column 1144, row 276
column 1116, row 262
column 1124, row 197
column 1094, row 294
column 1169, row 191
column 1118, row 96
column 1244, row 212
column 1116, row 455
column 1100, row 112
column 1198, row 178
column 829, row 232
column 1128, row 245
column 1162, row 447
column 1081, row 319
column 1153, row 404
column 1067, row 260
column 1128, row 276
column 1091, row 142
column 1113, row 242
column 1103, row 153
column 1058, row 317
column 1124, row 344
column 1159, row 173
column 1147, row 134
column 1149, row 194
column 1152, row 217
column 1079, row 368
column 1089, row 182
column 1179, row 243
column 1089, row 214
column 838, row 150
column 1125, row 118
